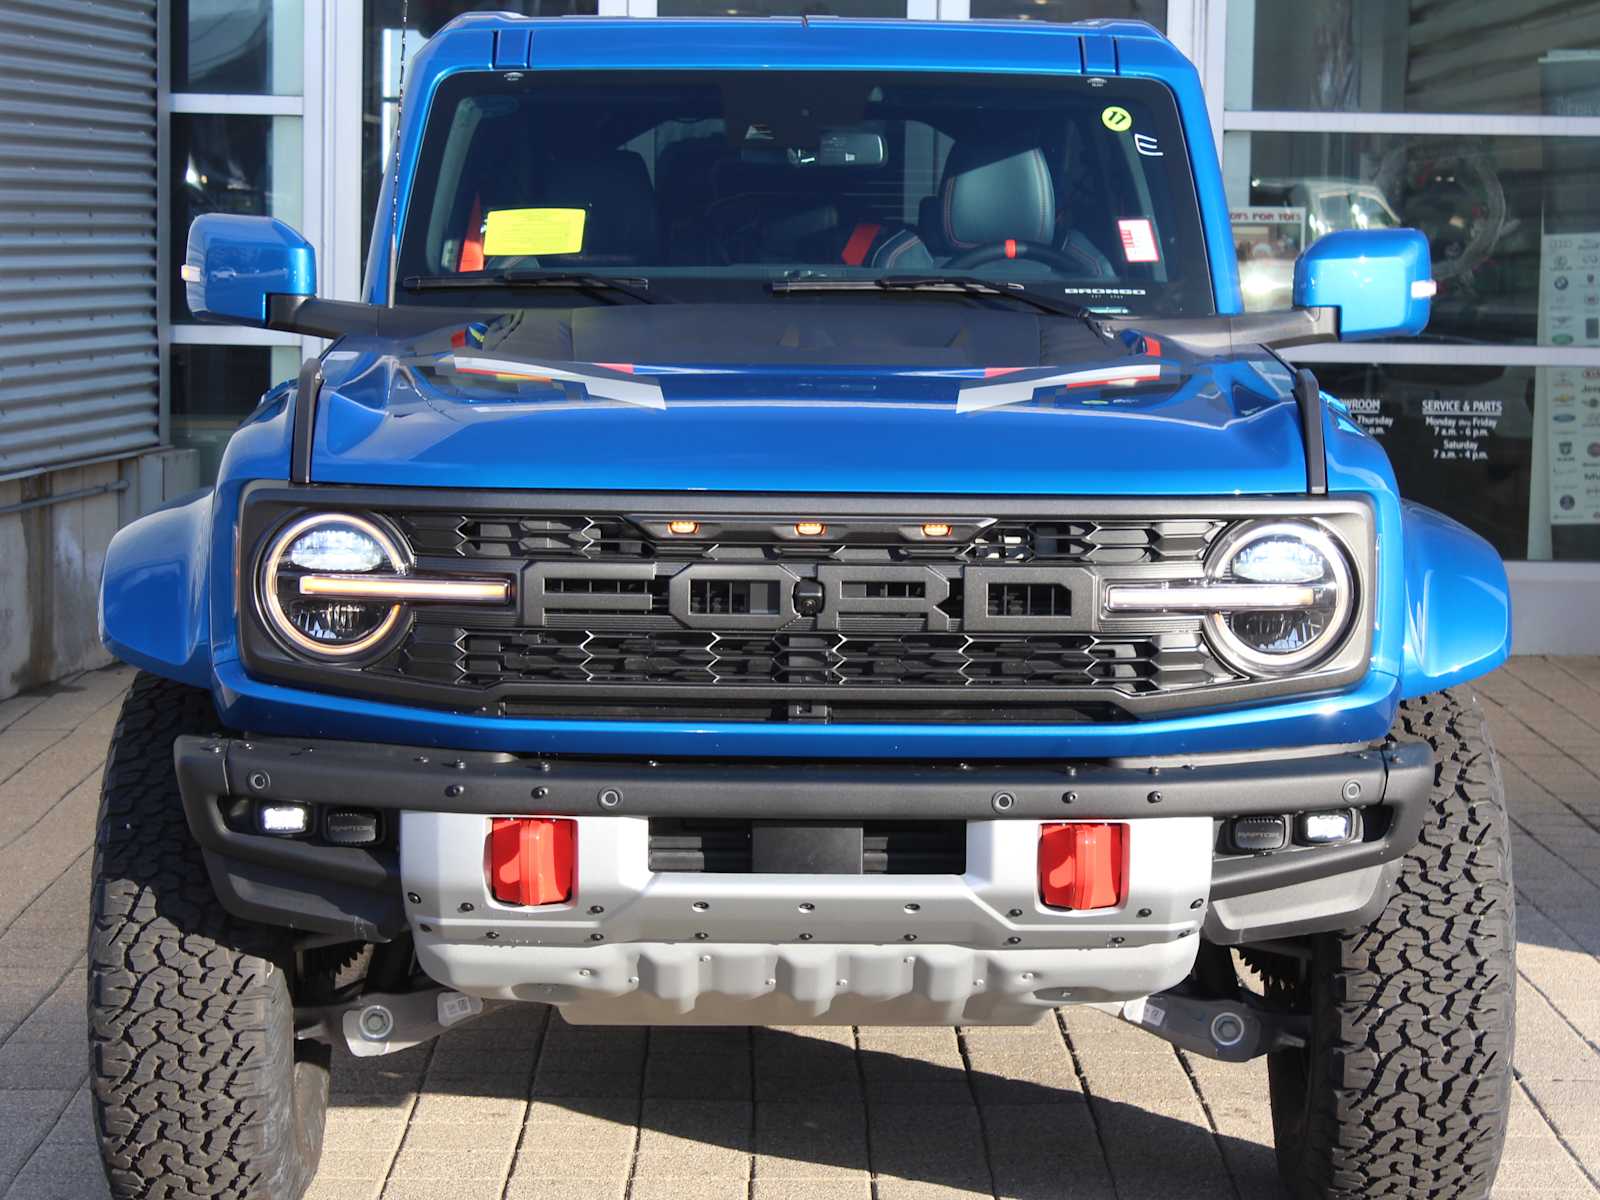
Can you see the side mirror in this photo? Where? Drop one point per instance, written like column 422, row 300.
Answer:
column 1380, row 280
column 234, row 263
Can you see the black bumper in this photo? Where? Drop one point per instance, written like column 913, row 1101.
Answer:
column 355, row 892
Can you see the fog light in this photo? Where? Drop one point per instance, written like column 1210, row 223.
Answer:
column 285, row 820
column 810, row 528
column 936, row 529
column 1325, row 828
column 683, row 528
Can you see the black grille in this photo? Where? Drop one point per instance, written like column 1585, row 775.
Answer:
column 750, row 615
column 608, row 537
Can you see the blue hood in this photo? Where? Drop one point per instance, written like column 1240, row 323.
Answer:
column 1145, row 419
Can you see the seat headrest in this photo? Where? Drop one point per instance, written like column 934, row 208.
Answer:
column 991, row 193
column 615, row 189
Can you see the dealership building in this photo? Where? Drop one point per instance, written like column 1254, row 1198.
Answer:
column 122, row 120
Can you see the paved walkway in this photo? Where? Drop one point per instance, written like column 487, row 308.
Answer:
column 523, row 1105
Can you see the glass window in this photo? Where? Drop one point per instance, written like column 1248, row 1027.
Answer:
column 1153, row 11
column 216, row 387
column 242, row 46
column 1514, row 56
column 233, row 164
column 1511, row 452
column 781, row 8
column 1514, row 223
column 722, row 176
column 380, row 68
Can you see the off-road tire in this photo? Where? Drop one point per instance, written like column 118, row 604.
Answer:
column 1405, row 1087
column 200, row 1089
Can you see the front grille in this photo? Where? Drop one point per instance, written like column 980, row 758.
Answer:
column 766, row 609
column 747, row 616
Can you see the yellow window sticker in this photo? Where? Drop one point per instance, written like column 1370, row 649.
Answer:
column 533, row 231
column 1117, row 119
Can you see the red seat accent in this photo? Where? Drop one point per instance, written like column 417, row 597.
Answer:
column 472, row 244
column 530, row 859
column 861, row 239
column 1083, row 866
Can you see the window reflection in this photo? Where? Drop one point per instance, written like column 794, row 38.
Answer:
column 242, row 46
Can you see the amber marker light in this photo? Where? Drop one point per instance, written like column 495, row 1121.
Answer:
column 810, row 528
column 683, row 527
column 936, row 529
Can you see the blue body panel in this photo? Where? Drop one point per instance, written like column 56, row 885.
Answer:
column 1380, row 280
column 1458, row 604
column 389, row 416
column 233, row 263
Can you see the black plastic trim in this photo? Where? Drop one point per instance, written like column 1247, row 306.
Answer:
column 304, row 429
column 1308, row 395
column 347, row 892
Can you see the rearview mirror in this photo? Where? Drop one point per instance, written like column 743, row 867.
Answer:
column 1380, row 280
column 234, row 263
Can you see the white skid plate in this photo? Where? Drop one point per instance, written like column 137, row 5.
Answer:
column 635, row 947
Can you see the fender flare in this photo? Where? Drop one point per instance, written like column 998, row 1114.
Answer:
column 153, row 605
column 1458, row 603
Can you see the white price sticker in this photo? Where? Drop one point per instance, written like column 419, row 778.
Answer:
column 1138, row 241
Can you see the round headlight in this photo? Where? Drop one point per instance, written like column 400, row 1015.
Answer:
column 329, row 544
column 1310, row 612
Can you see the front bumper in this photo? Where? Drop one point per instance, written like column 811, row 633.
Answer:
column 637, row 946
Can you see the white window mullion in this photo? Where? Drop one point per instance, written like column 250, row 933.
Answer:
column 207, row 103
column 1448, row 124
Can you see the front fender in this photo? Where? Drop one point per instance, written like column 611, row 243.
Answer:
column 153, row 612
column 1458, row 603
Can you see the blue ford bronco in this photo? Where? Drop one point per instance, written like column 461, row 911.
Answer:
column 800, row 528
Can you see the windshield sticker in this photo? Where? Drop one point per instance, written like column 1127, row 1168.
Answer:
column 1147, row 145
column 1138, row 241
column 1005, row 389
column 602, row 381
column 517, row 231
column 1117, row 119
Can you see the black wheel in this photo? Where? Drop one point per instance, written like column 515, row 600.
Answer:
column 200, row 1088
column 1405, row 1086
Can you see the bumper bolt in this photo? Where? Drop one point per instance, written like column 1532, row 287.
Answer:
column 454, row 790
column 1144, row 912
column 597, row 909
column 910, row 937
column 421, row 758
column 1351, row 790
column 805, row 937
column 1155, row 797
column 1003, row 802
column 807, row 906
column 1069, row 797
column 597, row 937
column 466, row 906
column 376, row 1022
column 1013, row 941
column 700, row 906
column 1227, row 1029
column 425, row 928
column 492, row 936
column 1015, row 912
column 260, row 781
column 1197, row 904
column 1117, row 941
column 539, row 793
column 610, row 798
column 700, row 937
column 414, row 898
column 913, row 907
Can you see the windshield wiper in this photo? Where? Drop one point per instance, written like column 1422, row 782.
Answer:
column 602, row 286
column 966, row 285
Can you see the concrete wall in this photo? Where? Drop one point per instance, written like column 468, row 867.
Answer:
column 54, row 530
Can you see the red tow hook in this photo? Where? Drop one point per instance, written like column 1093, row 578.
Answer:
column 1083, row 866
column 530, row 859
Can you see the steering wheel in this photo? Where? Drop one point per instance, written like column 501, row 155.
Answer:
column 1000, row 251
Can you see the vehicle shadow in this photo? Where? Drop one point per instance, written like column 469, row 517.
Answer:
column 810, row 1104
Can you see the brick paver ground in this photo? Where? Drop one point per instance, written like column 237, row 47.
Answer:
column 521, row 1105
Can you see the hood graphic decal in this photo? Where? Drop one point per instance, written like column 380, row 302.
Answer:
column 609, row 381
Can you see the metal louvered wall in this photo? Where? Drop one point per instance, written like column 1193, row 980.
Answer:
column 79, row 360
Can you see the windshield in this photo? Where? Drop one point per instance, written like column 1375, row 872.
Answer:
column 730, row 182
